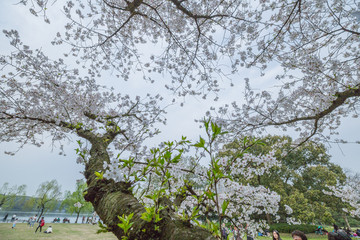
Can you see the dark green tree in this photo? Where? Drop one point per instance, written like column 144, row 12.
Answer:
column 304, row 173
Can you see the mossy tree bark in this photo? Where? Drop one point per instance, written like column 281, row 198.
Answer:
column 112, row 199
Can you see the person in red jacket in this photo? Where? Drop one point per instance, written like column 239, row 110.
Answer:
column 41, row 224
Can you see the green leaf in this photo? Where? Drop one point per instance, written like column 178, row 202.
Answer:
column 200, row 144
column 215, row 129
column 146, row 216
column 99, row 175
column 161, row 160
column 157, row 218
column 206, row 124
column 224, row 206
column 194, row 213
column 177, row 158
column 103, row 228
column 125, row 224
column 168, row 174
column 210, row 194
column 167, row 155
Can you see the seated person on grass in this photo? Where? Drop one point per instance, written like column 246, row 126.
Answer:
column 48, row 230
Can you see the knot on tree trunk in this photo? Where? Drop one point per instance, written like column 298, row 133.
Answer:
column 104, row 187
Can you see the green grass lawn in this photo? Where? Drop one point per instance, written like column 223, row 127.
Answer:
column 61, row 231
column 287, row 236
column 64, row 231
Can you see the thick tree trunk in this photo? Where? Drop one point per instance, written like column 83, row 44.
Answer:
column 112, row 199
column 346, row 221
column 268, row 218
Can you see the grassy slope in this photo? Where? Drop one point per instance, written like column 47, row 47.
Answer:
column 61, row 231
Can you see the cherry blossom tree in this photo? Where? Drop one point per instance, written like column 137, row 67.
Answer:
column 40, row 95
column 349, row 194
column 316, row 47
column 314, row 44
column 203, row 44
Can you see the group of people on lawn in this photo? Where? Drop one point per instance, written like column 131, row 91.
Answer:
column 337, row 234
column 31, row 223
column 296, row 235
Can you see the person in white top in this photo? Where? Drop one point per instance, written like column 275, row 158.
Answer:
column 48, row 230
column 33, row 220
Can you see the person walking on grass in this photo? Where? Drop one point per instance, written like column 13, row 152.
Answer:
column 33, row 220
column 41, row 224
column 14, row 223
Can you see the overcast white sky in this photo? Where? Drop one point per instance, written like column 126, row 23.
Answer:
column 32, row 165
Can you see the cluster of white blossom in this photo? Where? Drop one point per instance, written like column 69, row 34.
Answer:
column 317, row 45
column 78, row 205
column 249, row 165
column 349, row 193
column 246, row 200
column 291, row 220
column 39, row 94
column 288, row 209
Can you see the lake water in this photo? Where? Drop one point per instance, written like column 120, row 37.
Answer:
column 48, row 217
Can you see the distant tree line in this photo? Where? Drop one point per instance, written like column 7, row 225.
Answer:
column 48, row 197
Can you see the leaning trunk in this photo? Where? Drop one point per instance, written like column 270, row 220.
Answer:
column 41, row 213
column 37, row 214
column 112, row 199
column 77, row 217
